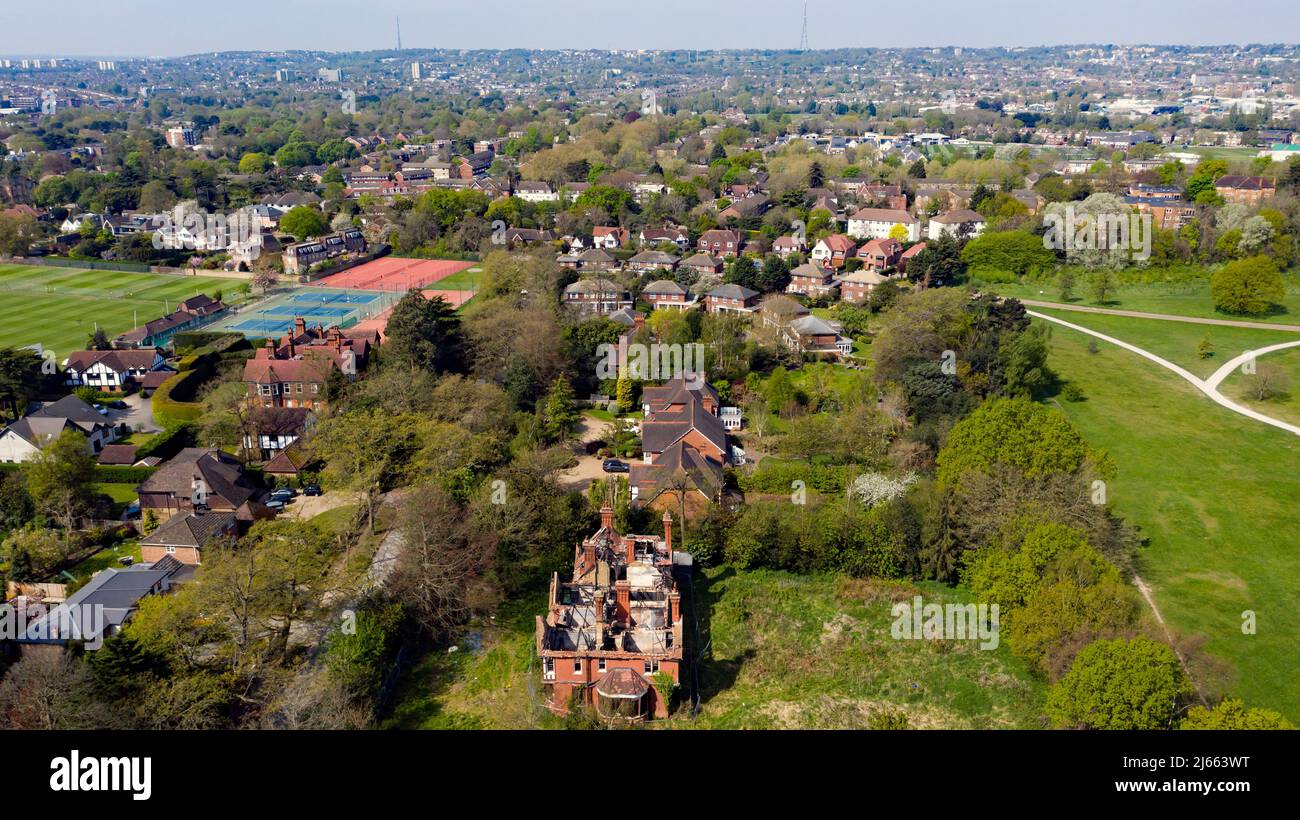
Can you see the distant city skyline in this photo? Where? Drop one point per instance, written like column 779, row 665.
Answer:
column 134, row 28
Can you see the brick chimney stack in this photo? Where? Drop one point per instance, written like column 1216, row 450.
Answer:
column 588, row 556
column 674, row 607
column 668, row 533
column 607, row 518
column 623, row 601
column 299, row 326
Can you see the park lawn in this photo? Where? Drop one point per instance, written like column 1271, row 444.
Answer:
column 1286, row 406
column 467, row 279
column 1175, row 341
column 62, row 320
column 1190, row 298
column 788, row 650
column 1215, row 493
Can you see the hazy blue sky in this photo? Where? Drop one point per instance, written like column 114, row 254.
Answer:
column 151, row 28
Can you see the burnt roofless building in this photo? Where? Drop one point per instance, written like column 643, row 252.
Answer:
column 614, row 628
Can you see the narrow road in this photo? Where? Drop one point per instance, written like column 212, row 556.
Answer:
column 1210, row 388
column 1168, row 317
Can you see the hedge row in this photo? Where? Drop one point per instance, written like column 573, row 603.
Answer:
column 122, row 475
column 774, row 476
column 168, row 443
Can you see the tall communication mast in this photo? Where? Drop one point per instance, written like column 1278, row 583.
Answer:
column 399, row 33
column 803, row 36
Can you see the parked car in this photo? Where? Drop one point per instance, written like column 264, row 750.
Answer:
column 613, row 465
column 119, row 405
column 284, row 495
column 274, row 504
column 311, row 489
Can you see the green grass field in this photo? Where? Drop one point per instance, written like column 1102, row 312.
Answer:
column 1286, row 406
column 1175, row 341
column 62, row 317
column 467, row 279
column 1216, row 494
column 1179, row 299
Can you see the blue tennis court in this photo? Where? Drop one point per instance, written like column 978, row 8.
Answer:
column 264, row 327
column 327, row 297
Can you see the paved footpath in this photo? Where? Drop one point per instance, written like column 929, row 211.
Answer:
column 1210, row 387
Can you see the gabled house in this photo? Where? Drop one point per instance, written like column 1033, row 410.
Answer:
column 294, row 372
column 879, row 254
column 961, row 222
column 198, row 478
column 609, row 238
column 596, row 297
column 787, row 246
column 651, row 260
column 857, row 286
column 879, row 223
column 112, row 371
column 684, row 447
column 24, row 438
column 702, row 263
column 185, row 536
column 720, row 242
column 833, row 251
column 656, row 236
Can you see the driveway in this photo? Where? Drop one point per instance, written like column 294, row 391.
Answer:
column 138, row 415
column 310, row 506
column 588, row 468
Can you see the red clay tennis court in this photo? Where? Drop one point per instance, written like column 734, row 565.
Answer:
column 394, row 273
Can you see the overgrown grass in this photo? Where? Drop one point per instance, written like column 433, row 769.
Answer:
column 104, row 559
column 815, row 651
column 1215, row 493
column 787, row 651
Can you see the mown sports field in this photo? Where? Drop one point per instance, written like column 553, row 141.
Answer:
column 59, row 307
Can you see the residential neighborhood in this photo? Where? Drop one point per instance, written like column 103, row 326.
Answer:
column 727, row 368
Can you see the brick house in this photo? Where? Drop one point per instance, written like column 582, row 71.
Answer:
column 614, row 628
column 702, row 263
column 731, row 298
column 1245, row 190
column 197, row 477
column 857, row 286
column 833, row 251
column 879, row 254
column 294, row 372
column 596, row 297
column 720, row 242
column 184, row 537
column 810, row 280
column 665, row 294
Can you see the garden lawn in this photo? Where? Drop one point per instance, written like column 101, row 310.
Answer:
column 63, row 318
column 1216, row 494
